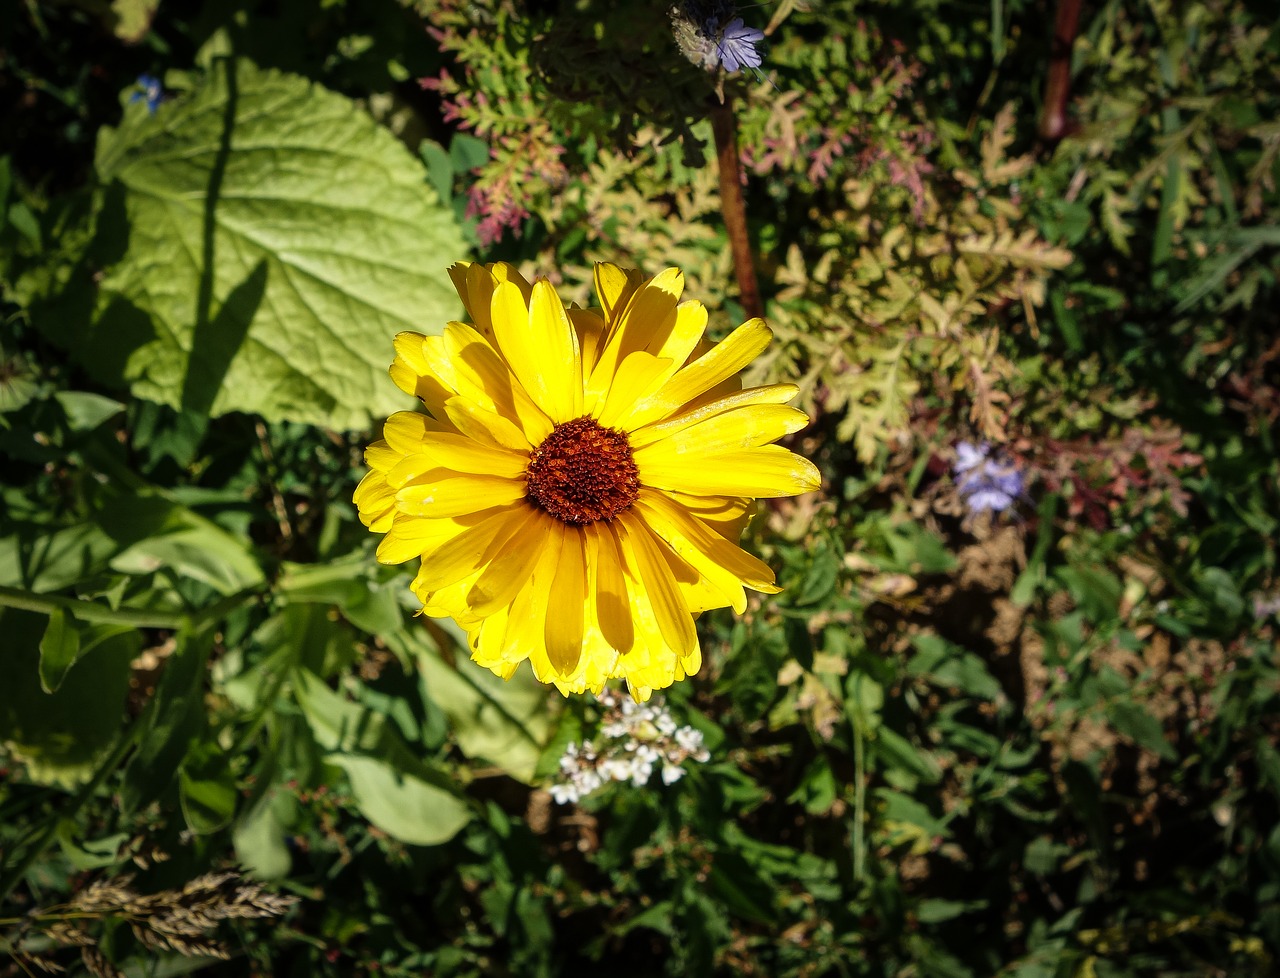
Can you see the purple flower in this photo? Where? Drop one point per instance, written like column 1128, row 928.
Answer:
column 711, row 35
column 151, row 89
column 737, row 45
column 986, row 484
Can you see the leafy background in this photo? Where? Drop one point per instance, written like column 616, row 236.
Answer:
column 1037, row 744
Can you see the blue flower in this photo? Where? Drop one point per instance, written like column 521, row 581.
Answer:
column 986, row 484
column 737, row 45
column 151, row 89
column 712, row 36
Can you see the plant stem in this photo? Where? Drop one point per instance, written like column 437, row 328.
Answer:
column 725, row 128
column 91, row 611
column 1057, row 88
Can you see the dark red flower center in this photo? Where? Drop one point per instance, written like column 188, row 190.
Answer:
column 583, row 472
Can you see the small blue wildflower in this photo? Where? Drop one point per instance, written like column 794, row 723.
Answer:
column 986, row 484
column 712, row 36
column 737, row 45
column 151, row 89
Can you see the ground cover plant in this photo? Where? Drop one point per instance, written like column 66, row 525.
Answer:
column 1015, row 710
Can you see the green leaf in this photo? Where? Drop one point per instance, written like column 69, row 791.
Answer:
column 504, row 722
column 405, row 807
column 935, row 911
column 177, row 717
column 207, row 789
column 1136, row 723
column 406, row 797
column 86, row 410
column 278, row 238
column 259, row 837
column 60, row 735
column 59, row 649
column 156, row 532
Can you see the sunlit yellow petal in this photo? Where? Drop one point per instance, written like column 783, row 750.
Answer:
column 614, row 287
column 557, row 359
column 639, row 374
column 660, row 585
column 648, row 317
column 564, row 626
column 691, row 415
column 718, row 364
column 480, row 366
column 487, row 427
column 454, row 494
column 468, row 551
column 748, row 427
column 767, row 471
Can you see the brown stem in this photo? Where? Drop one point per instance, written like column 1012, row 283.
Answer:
column 725, row 128
column 1057, row 88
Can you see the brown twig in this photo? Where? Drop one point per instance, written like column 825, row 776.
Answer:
column 725, row 128
column 1057, row 88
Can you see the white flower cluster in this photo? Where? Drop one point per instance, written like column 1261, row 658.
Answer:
column 634, row 739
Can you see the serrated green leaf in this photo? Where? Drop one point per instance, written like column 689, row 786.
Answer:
column 278, row 239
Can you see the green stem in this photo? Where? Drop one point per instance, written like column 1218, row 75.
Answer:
column 91, row 611
column 859, row 802
column 47, row 604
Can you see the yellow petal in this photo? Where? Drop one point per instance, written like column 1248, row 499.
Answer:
column 514, row 341
column 639, row 374
column 381, row 456
column 526, row 625
column 459, row 454
column 591, row 331
column 687, row 534
column 454, row 494
column 614, row 287
column 411, row 536
column 376, row 502
column 698, row 412
column 407, row 431
column 478, row 365
column 674, row 620
column 650, row 313
column 558, row 361
column 767, row 471
column 748, row 427
column 408, row 347
column 564, row 627
column 466, row 552
column 715, row 366
column 613, row 610
column 485, row 426
column 501, row 580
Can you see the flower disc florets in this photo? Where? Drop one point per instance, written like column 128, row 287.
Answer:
column 583, row 473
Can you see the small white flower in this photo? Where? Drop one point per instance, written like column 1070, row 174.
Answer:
column 689, row 739
column 564, row 794
column 671, row 773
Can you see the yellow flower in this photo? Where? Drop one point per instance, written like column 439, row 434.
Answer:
column 579, row 482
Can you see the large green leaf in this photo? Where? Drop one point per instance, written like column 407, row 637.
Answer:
column 278, row 238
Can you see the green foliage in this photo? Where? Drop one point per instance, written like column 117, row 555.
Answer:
column 1037, row 743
